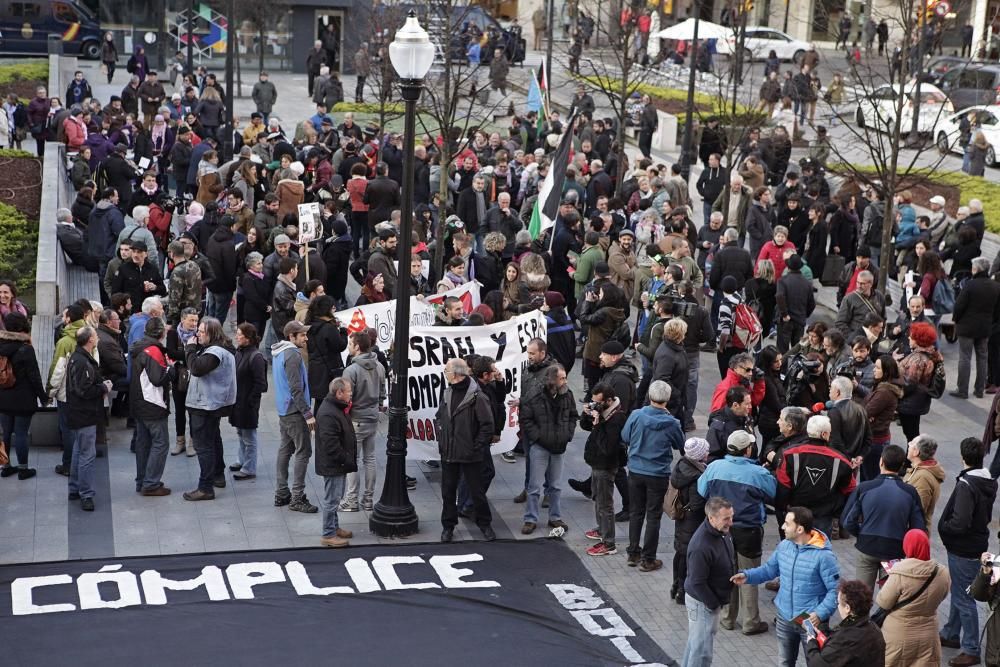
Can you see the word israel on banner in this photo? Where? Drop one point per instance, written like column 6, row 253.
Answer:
column 382, row 316
column 431, row 347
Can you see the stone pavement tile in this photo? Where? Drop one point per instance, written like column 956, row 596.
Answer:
column 268, row 537
column 16, row 549
column 136, row 548
column 189, row 541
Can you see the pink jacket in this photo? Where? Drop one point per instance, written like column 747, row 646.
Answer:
column 776, row 254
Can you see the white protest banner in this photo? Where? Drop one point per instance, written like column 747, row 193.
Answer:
column 382, row 316
column 309, row 221
column 431, row 347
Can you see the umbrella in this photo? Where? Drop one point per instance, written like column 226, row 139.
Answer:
column 684, row 31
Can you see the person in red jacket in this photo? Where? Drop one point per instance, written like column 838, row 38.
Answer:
column 774, row 250
column 75, row 129
column 740, row 374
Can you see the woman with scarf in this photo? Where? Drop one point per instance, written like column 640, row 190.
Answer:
column 177, row 338
column 252, row 244
column 454, row 276
column 256, row 294
column 857, row 642
column 515, row 292
column 9, row 303
column 373, row 290
column 161, row 139
column 923, row 377
column 209, row 182
column 911, row 632
column 148, row 192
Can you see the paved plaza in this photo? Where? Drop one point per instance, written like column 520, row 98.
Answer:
column 39, row 525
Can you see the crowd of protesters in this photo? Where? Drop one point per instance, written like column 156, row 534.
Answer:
column 205, row 285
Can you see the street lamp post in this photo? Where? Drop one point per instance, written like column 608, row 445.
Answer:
column 687, row 150
column 411, row 54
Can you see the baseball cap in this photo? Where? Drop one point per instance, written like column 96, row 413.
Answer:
column 937, row 199
column 294, row 327
column 738, row 441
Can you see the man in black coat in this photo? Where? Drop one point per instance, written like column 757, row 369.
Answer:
column 119, row 173
column 465, row 428
column 336, row 455
column 713, row 180
column 795, row 303
column 138, row 278
column 471, row 207
column 977, row 312
column 221, row 253
column 734, row 417
column 85, row 392
column 381, row 195
column 600, row 185
column 648, row 122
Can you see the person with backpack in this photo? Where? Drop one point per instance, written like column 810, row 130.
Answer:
column 977, row 312
column 739, row 327
column 21, row 391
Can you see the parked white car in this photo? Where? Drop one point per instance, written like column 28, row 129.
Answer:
column 878, row 110
column 948, row 132
column 759, row 43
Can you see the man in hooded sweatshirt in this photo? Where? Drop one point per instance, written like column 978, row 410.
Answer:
column 965, row 531
column 367, row 377
column 650, row 434
column 295, row 417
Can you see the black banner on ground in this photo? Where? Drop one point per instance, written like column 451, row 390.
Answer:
column 503, row 603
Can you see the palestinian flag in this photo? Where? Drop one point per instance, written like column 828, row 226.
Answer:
column 543, row 216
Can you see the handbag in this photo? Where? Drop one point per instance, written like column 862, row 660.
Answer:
column 831, row 271
column 878, row 618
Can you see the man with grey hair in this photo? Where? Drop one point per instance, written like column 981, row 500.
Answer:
column 464, row 429
column 85, row 391
column 184, row 290
column 135, row 230
column 649, row 434
column 976, row 220
column 750, row 486
column 599, row 185
column 850, row 431
column 976, row 314
column 860, row 303
column 733, row 203
column 925, row 473
column 71, row 240
column 336, row 457
column 708, row 587
column 791, row 431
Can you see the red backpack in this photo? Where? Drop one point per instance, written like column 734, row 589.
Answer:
column 746, row 328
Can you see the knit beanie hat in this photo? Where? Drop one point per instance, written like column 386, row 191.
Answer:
column 696, row 449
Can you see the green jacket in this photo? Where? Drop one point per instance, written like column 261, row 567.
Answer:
column 66, row 344
column 585, row 268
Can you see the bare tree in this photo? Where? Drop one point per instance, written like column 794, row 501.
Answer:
column 873, row 154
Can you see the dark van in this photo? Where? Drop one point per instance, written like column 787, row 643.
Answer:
column 27, row 24
column 971, row 85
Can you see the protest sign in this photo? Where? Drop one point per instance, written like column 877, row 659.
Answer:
column 431, row 347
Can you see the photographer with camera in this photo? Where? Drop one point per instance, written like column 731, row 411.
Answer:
column 604, row 417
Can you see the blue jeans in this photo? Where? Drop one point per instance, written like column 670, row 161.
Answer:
column 790, row 638
column 333, row 491
column 546, row 468
column 15, row 434
column 706, row 213
column 208, row 446
column 218, row 305
column 248, row 450
column 703, row 624
column 480, row 239
column 65, row 432
column 966, row 165
column 152, row 441
column 963, row 617
column 81, row 469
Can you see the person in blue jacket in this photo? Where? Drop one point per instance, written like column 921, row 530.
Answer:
column 649, row 434
column 738, row 478
column 809, row 578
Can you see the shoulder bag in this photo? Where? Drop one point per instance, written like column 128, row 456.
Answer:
column 878, row 618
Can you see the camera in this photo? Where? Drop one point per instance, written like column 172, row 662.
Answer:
column 758, row 373
column 683, row 309
column 594, row 406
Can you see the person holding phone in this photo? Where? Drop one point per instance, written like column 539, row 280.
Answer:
column 856, row 641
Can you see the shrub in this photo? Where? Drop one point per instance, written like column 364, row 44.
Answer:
column 13, row 152
column 367, row 107
column 702, row 101
column 18, row 247
column 34, row 71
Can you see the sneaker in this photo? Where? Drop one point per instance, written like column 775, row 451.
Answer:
column 348, row 507
column 179, row 446
column 521, row 497
column 508, row 457
column 8, row 471
column 26, row 473
column 592, row 535
column 528, row 528
column 602, row 549
column 650, row 565
column 633, row 560
column 87, row 504
column 281, row 501
column 240, row 476
column 235, row 467
column 303, row 505
column 62, row 470
column 336, row 542
column 367, row 505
